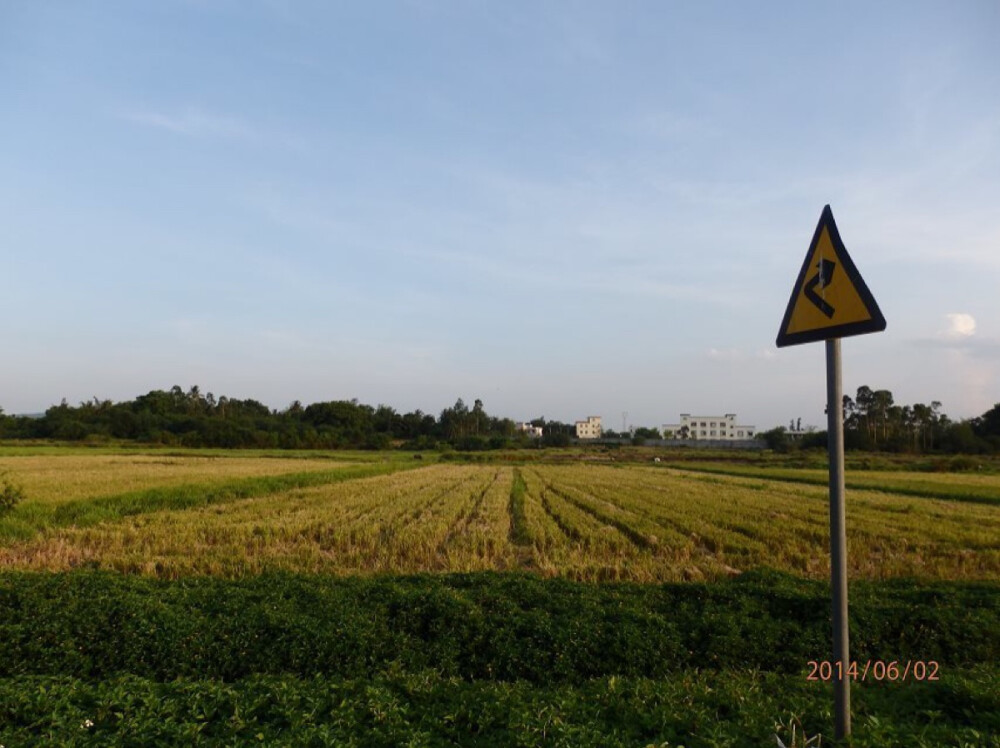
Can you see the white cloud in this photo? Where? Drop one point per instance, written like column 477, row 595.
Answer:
column 960, row 326
column 961, row 335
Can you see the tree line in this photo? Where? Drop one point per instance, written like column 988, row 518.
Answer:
column 873, row 421
column 196, row 419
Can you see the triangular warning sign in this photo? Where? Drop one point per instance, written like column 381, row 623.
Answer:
column 830, row 298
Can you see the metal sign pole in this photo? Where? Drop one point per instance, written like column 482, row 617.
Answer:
column 838, row 540
column 829, row 301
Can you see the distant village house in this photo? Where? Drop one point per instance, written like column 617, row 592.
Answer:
column 722, row 428
column 589, row 429
column 535, row 432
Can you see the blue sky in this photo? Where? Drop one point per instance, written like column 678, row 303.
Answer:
column 561, row 208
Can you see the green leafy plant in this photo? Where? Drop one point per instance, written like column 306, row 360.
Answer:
column 11, row 493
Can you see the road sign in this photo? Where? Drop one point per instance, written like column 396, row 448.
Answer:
column 830, row 298
column 829, row 301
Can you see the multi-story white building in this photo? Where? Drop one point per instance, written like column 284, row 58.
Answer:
column 535, row 432
column 708, row 427
column 589, row 429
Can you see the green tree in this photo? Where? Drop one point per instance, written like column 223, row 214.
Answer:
column 479, row 419
column 776, row 439
column 988, row 424
column 644, row 432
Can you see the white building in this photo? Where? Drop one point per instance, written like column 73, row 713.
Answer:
column 723, row 428
column 535, row 432
column 589, row 429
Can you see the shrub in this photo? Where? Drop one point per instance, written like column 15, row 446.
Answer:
column 10, row 493
column 508, row 627
column 963, row 463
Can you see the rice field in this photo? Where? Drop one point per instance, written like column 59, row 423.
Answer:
column 59, row 478
column 586, row 522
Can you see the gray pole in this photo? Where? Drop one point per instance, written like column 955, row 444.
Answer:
column 838, row 540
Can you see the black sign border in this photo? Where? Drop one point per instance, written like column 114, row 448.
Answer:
column 875, row 324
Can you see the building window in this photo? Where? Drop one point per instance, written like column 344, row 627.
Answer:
column 739, row 433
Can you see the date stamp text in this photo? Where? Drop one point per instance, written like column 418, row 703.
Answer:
column 878, row 670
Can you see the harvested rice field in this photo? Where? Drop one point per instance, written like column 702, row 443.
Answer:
column 233, row 516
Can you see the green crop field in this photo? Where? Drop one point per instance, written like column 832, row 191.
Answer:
column 221, row 598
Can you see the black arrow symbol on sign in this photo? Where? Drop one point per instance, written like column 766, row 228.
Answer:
column 821, row 279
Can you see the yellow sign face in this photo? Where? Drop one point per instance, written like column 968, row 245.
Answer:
column 830, row 299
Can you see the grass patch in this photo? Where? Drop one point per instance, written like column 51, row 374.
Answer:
column 979, row 489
